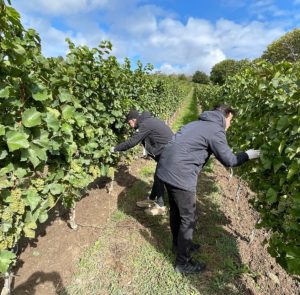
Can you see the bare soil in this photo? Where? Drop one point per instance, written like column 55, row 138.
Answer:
column 47, row 263
column 268, row 276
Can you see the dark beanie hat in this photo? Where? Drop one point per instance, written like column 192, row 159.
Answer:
column 133, row 114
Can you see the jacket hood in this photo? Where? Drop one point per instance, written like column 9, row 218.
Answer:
column 143, row 116
column 213, row 116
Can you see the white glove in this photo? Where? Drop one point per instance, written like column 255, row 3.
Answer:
column 253, row 154
column 112, row 149
column 145, row 153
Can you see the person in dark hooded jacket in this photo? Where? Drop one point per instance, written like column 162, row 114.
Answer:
column 179, row 166
column 154, row 134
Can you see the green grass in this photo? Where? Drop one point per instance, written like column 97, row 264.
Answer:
column 89, row 269
column 189, row 112
column 133, row 254
column 219, row 247
column 148, row 170
column 154, row 274
column 118, row 216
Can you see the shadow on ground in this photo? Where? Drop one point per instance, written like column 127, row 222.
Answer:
column 37, row 278
column 218, row 247
column 41, row 277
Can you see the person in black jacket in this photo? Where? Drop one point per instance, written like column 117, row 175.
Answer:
column 179, row 166
column 154, row 134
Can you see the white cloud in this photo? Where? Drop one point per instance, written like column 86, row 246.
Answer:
column 148, row 31
column 245, row 41
column 60, row 7
column 199, row 44
column 263, row 8
column 168, row 69
column 190, row 47
column 53, row 39
column 142, row 21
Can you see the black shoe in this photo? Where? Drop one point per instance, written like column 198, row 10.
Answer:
column 194, row 248
column 191, row 267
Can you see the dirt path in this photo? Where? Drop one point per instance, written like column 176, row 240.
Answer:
column 48, row 264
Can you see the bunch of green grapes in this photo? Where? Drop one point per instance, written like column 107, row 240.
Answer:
column 111, row 172
column 2, row 242
column 17, row 204
column 9, row 241
column 33, row 189
column 51, row 201
column 7, row 215
column 75, row 167
column 16, row 193
column 3, row 245
column 38, row 184
column 21, row 207
column 95, row 171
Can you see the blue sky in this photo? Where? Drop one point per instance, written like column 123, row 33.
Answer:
column 176, row 36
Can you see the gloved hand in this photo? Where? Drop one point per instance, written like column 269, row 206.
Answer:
column 112, row 149
column 253, row 154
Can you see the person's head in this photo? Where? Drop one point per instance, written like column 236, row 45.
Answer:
column 228, row 113
column 132, row 117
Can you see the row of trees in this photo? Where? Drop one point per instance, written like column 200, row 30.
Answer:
column 286, row 48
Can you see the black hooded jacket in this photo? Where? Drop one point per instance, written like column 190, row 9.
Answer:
column 152, row 132
column 183, row 158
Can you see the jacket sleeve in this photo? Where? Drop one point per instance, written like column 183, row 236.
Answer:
column 223, row 153
column 137, row 137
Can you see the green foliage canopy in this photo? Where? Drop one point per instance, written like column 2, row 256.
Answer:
column 286, row 48
column 200, row 77
column 225, row 69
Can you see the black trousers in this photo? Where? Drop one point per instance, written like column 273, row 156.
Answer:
column 182, row 220
column 158, row 189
